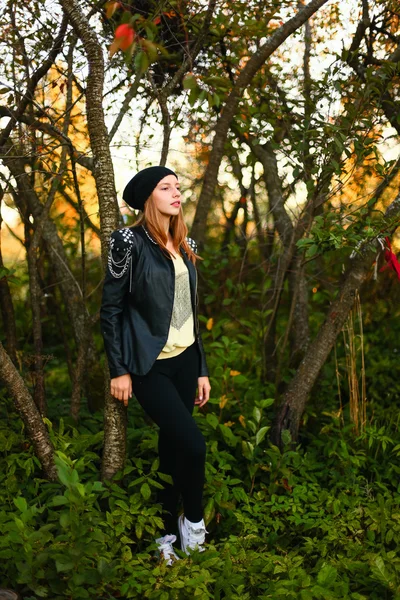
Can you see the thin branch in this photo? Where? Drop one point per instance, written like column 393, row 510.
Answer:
column 188, row 63
column 85, row 161
column 221, row 130
column 130, row 94
column 166, row 120
column 32, row 83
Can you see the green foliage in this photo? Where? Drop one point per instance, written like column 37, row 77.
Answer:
column 319, row 521
column 316, row 521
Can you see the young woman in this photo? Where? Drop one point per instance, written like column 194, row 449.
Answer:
column 151, row 336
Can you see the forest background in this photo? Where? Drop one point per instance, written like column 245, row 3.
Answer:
column 282, row 120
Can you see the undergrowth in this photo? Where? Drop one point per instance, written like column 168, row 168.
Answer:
column 317, row 521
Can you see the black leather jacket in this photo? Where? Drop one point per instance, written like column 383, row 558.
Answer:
column 137, row 302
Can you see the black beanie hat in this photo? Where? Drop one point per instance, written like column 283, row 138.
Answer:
column 142, row 184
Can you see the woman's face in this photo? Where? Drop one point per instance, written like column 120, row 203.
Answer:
column 167, row 196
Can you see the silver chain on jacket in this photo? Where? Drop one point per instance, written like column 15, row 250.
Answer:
column 125, row 261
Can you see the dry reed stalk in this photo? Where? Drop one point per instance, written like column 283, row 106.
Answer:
column 363, row 384
column 353, row 351
column 339, row 390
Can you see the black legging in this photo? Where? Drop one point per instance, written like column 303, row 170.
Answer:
column 167, row 394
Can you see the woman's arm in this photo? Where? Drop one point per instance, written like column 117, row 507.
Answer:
column 204, row 388
column 203, row 362
column 203, row 382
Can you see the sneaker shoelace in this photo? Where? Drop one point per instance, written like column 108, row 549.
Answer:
column 166, row 549
column 196, row 537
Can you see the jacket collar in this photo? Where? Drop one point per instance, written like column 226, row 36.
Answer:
column 151, row 239
column 148, row 235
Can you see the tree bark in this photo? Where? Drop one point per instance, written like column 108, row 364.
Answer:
column 103, row 172
column 300, row 330
column 228, row 112
column 35, row 302
column 267, row 157
column 295, row 398
column 29, row 414
column 7, row 309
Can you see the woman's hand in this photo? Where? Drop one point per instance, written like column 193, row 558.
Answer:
column 121, row 388
column 204, row 387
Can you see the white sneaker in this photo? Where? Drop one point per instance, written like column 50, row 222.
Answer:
column 192, row 538
column 166, row 550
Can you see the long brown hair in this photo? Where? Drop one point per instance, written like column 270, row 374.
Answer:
column 151, row 219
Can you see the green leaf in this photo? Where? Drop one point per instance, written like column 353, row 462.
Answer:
column 256, row 414
column 63, row 471
column 286, row 437
column 327, row 575
column 228, row 436
column 189, row 82
column 59, row 500
column 240, row 495
column 41, row 591
column 155, row 464
column 193, row 96
column 217, row 99
column 145, row 491
column 151, row 50
column 209, row 510
column 266, row 402
column 122, row 504
column 247, row 450
column 65, row 519
column 98, row 535
column 312, row 251
column 62, row 565
column 165, row 477
column 142, row 62
column 21, row 503
column 138, row 530
column 81, row 488
column 212, row 420
column 261, row 435
column 20, row 524
column 98, row 486
column 102, row 566
column 381, row 573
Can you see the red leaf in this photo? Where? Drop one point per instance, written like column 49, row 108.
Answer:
column 111, row 7
column 125, row 35
column 286, row 485
column 391, row 260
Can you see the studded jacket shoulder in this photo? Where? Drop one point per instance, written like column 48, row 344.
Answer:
column 192, row 244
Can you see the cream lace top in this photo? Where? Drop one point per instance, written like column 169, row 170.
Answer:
column 181, row 331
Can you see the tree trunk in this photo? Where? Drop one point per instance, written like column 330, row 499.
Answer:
column 300, row 330
column 103, row 172
column 295, row 398
column 29, row 413
column 273, row 184
column 7, row 310
column 37, row 363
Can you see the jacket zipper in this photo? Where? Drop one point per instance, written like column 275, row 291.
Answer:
column 196, row 304
column 173, row 299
